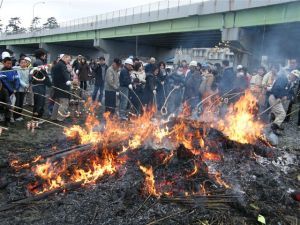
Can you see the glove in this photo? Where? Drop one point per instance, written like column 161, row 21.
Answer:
column 130, row 86
column 269, row 88
column 69, row 83
column 154, row 92
column 117, row 93
column 77, row 71
column 162, row 83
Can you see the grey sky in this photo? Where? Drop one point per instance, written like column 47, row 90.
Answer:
column 63, row 10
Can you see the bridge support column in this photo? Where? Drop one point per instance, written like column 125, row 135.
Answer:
column 245, row 45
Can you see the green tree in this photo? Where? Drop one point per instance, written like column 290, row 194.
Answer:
column 51, row 23
column 35, row 24
column 14, row 26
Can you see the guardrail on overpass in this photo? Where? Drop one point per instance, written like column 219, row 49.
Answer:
column 158, row 11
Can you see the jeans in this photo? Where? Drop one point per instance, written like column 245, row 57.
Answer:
column 95, row 92
column 83, row 85
column 110, row 101
column 38, row 107
column 19, row 103
column 123, row 101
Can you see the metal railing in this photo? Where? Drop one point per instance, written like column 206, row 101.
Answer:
column 162, row 10
column 109, row 18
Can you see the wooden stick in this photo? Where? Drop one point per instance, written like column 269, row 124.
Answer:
column 66, row 92
column 142, row 205
column 29, row 200
column 166, row 217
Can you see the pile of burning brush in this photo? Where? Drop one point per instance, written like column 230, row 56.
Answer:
column 105, row 147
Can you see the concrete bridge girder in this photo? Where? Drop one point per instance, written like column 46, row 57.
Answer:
column 25, row 49
column 54, row 50
column 123, row 49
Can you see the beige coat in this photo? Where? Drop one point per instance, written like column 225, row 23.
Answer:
column 257, row 88
column 206, row 84
column 112, row 80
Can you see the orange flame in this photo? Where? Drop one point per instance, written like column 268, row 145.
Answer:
column 240, row 124
column 149, row 187
column 220, row 181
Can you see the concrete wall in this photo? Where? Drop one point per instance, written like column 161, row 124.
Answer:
column 119, row 49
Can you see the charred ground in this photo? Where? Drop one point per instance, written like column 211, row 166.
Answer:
column 259, row 185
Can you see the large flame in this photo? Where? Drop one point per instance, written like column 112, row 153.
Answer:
column 240, row 123
column 116, row 138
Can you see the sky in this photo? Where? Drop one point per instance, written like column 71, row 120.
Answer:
column 62, row 10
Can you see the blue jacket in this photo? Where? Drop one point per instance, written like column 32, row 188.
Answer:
column 227, row 81
column 149, row 68
column 125, row 78
column 280, row 87
column 10, row 80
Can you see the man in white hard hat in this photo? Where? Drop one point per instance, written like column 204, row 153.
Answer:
column 149, row 67
column 125, row 86
column 28, row 61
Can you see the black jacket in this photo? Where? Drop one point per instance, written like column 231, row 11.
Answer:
column 152, row 83
column 38, row 62
column 227, row 81
column 60, row 76
column 125, row 78
column 175, row 80
column 99, row 77
column 192, row 85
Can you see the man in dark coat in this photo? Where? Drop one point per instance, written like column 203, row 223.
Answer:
column 4, row 97
column 125, row 85
column 175, row 84
column 227, row 80
column 100, row 72
column 278, row 97
column 192, row 95
column 40, row 58
column 62, row 80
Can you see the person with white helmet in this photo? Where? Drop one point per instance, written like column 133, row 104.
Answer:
column 3, row 56
column 125, row 85
column 192, row 95
column 150, row 65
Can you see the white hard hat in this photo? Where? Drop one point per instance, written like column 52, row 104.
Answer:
column 27, row 59
column 239, row 67
column 193, row 63
column 296, row 73
column 152, row 59
column 128, row 61
column 5, row 55
column 61, row 56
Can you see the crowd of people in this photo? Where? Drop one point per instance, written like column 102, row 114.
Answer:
column 131, row 86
